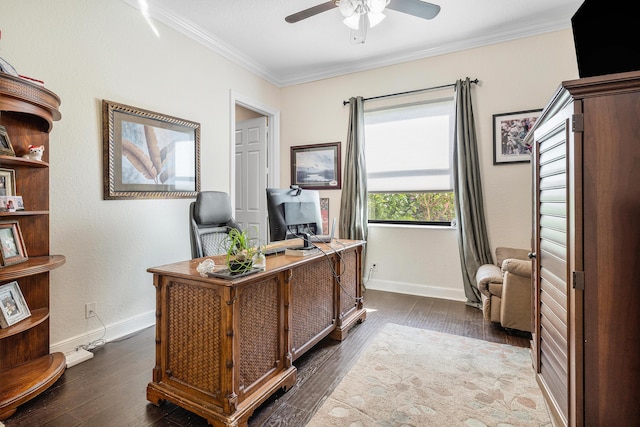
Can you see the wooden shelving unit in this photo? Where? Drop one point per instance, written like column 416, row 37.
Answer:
column 27, row 111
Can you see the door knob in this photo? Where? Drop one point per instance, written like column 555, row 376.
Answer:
column 531, row 255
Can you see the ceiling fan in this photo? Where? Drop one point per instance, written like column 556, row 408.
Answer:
column 359, row 15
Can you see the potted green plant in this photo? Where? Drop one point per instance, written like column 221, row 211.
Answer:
column 240, row 251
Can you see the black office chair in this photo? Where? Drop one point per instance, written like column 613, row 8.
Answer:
column 211, row 218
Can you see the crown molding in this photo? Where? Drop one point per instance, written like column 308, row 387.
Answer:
column 227, row 51
column 201, row 36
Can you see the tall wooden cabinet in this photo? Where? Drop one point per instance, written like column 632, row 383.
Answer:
column 27, row 111
column 586, row 239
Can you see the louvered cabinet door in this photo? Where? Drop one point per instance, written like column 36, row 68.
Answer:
column 551, row 225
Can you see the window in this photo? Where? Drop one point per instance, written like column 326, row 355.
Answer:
column 409, row 151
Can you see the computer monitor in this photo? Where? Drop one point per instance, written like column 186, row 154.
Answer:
column 292, row 212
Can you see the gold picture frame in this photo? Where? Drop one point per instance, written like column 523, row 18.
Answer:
column 148, row 155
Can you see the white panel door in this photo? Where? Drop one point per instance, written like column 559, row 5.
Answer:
column 251, row 176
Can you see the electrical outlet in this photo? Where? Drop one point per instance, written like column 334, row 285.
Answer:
column 90, row 310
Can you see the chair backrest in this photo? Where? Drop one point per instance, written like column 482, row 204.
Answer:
column 210, row 218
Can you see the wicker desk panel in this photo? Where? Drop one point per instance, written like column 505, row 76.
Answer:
column 224, row 346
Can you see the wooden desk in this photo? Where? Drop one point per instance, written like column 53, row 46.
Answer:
column 224, row 346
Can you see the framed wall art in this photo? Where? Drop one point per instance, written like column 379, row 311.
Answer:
column 509, row 130
column 12, row 249
column 149, row 155
column 6, row 149
column 316, row 166
column 13, row 307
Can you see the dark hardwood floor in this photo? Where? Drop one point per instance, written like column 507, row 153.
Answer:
column 110, row 388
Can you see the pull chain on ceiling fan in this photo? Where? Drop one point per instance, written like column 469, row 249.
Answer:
column 360, row 15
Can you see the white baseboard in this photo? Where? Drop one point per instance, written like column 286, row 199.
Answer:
column 417, row 289
column 113, row 331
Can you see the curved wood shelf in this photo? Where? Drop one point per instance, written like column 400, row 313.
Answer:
column 38, row 316
column 27, row 112
column 35, row 265
column 23, row 382
column 24, row 213
column 21, row 161
column 22, row 96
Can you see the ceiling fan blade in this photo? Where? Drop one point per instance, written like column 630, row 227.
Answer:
column 307, row 13
column 418, row 8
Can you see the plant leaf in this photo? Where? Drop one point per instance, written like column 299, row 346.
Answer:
column 152, row 147
column 138, row 159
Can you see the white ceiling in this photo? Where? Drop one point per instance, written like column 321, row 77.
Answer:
column 254, row 34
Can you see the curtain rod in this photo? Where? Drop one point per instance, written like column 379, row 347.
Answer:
column 409, row 92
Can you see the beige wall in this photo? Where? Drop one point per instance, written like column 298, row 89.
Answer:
column 514, row 76
column 89, row 50
column 245, row 114
column 86, row 51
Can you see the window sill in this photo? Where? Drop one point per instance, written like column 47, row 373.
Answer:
column 413, row 226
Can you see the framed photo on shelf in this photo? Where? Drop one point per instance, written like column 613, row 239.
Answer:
column 13, row 307
column 12, row 249
column 6, row 148
column 7, row 182
column 509, row 130
column 324, row 212
column 148, row 155
column 316, row 166
column 11, row 203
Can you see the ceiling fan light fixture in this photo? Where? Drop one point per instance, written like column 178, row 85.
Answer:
column 377, row 6
column 375, row 18
column 347, row 7
column 352, row 21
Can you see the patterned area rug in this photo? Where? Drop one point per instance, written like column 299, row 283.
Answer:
column 414, row 377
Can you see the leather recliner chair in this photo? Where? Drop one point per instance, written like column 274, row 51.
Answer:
column 505, row 288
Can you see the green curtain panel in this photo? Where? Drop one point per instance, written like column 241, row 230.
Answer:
column 353, row 206
column 473, row 240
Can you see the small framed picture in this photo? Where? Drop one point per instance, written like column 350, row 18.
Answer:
column 5, row 144
column 509, row 130
column 13, row 307
column 12, row 249
column 11, row 203
column 324, row 212
column 7, row 182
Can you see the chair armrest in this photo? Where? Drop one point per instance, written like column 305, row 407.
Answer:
column 486, row 274
column 517, row 266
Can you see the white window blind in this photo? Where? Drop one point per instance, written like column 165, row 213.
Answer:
column 409, row 147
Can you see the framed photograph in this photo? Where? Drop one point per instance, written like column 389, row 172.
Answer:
column 11, row 203
column 7, row 182
column 324, row 212
column 316, row 166
column 148, row 155
column 12, row 249
column 13, row 307
column 509, row 130
column 6, row 149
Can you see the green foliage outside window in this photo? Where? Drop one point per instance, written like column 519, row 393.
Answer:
column 413, row 207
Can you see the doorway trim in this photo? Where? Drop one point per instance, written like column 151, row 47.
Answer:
column 273, row 140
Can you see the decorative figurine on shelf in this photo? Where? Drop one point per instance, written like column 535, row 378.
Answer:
column 35, row 152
